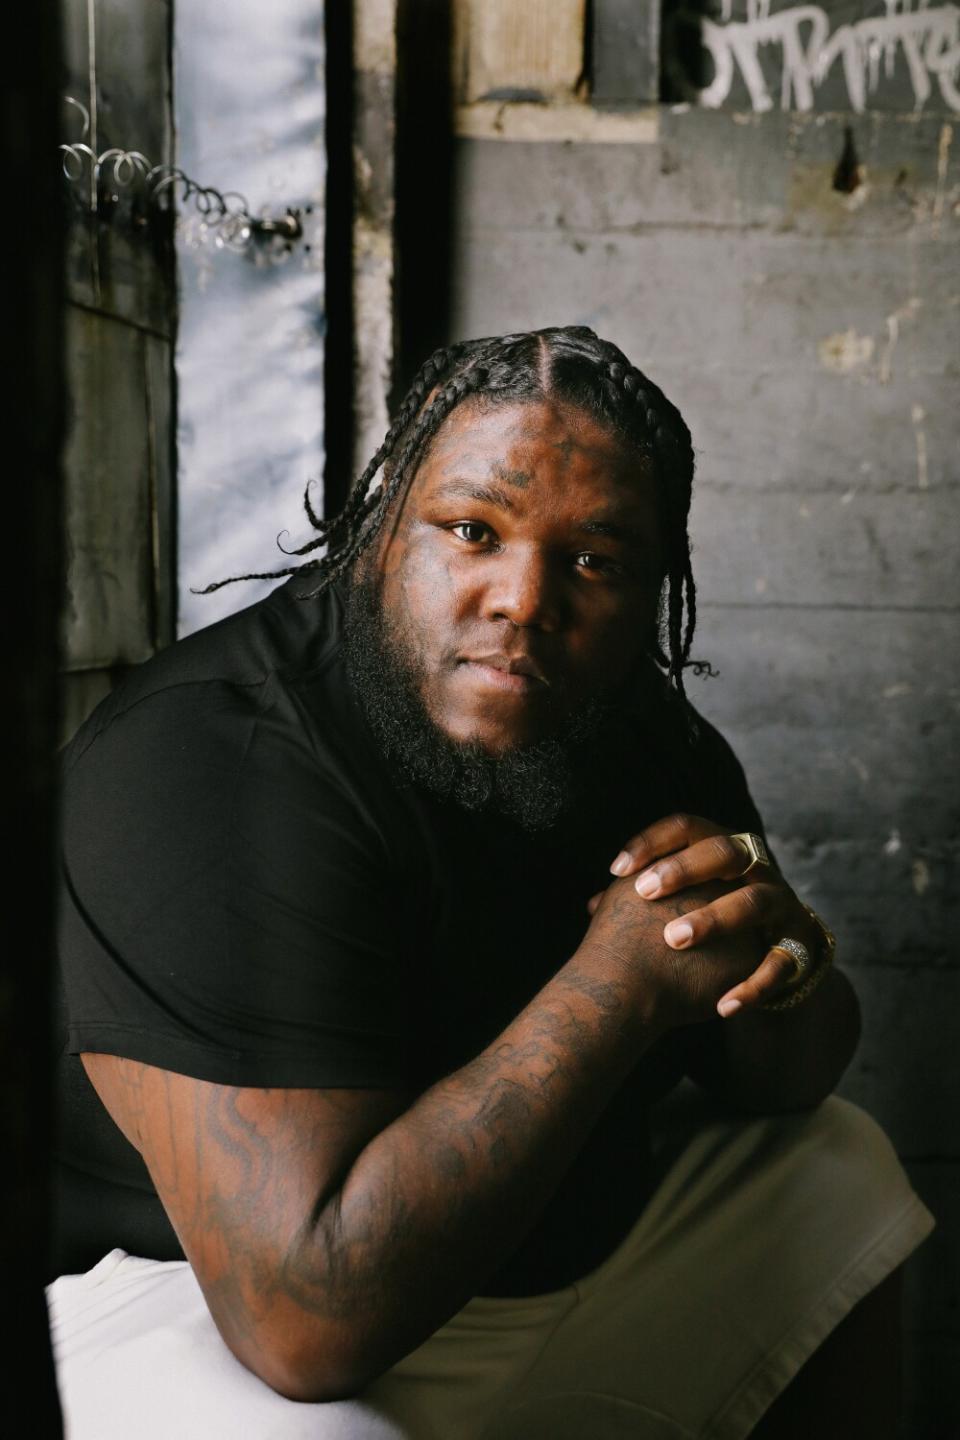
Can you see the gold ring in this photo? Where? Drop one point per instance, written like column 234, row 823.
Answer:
column 798, row 953
column 755, row 848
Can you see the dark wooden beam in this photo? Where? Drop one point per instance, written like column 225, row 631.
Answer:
column 33, row 570
column 338, row 365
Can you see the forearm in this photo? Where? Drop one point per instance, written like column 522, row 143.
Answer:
column 768, row 1061
column 443, row 1194
column 319, row 1290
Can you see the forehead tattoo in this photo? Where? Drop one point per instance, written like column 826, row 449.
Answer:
column 566, row 450
column 567, row 365
column 519, row 479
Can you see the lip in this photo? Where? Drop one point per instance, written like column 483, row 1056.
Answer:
column 516, row 673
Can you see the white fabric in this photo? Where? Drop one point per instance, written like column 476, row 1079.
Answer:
column 760, row 1238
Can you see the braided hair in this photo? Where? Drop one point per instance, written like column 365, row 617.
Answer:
column 569, row 364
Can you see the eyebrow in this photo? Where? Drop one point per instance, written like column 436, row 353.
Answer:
column 491, row 494
column 616, row 530
column 611, row 529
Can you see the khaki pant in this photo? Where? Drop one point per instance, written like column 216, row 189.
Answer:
column 761, row 1236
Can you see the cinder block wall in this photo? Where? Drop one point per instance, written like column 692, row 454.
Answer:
column 809, row 335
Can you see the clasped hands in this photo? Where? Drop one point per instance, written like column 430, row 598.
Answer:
column 683, row 850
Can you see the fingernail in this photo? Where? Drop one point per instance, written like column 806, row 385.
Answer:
column 648, row 883
column 729, row 1007
column 622, row 863
column 679, row 932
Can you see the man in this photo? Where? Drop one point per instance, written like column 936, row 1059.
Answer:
column 391, row 905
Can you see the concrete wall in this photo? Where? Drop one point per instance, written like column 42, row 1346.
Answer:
column 810, row 337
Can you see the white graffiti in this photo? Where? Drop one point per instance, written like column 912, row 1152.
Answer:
column 929, row 38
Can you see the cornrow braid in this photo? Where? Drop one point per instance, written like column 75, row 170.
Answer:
column 453, row 393
column 671, row 448
column 358, row 502
column 569, row 364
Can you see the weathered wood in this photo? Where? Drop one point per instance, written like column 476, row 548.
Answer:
column 505, row 51
column 158, row 385
column 107, row 619
column 119, row 69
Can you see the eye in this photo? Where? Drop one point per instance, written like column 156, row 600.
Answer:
column 471, row 525
column 595, row 564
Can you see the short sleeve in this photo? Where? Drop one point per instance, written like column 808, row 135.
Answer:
column 228, row 907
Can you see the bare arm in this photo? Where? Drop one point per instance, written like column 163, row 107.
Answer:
column 333, row 1231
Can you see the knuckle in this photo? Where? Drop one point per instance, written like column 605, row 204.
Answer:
column 702, row 923
column 669, row 872
column 721, row 848
column 753, row 898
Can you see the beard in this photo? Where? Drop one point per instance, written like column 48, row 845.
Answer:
column 533, row 784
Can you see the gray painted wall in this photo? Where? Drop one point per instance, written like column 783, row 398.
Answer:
column 810, row 339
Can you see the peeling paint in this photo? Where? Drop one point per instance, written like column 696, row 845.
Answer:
column 373, row 322
column 375, row 37
column 943, row 161
column 920, row 876
column 860, row 769
column 845, row 351
column 918, row 415
column 489, row 120
column 894, row 844
column 906, row 311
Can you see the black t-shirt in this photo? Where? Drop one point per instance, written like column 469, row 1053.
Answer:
column 252, row 896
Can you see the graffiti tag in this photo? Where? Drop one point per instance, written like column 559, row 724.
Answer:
column 928, row 38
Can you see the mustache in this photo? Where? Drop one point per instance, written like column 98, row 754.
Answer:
column 533, row 784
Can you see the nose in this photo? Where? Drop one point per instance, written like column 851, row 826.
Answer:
column 523, row 587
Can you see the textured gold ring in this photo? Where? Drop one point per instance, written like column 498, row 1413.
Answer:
column 755, row 848
column 798, row 953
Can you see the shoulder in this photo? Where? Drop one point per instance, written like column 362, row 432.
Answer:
column 251, row 716
column 240, row 659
